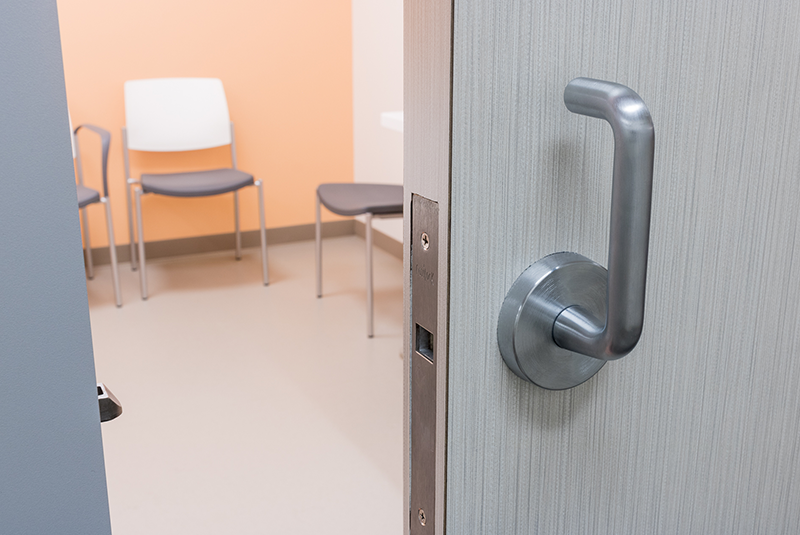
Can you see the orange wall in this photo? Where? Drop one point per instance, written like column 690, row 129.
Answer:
column 287, row 71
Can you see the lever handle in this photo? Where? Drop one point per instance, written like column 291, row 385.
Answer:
column 565, row 316
column 634, row 145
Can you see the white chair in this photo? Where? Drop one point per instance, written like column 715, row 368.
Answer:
column 175, row 115
column 87, row 196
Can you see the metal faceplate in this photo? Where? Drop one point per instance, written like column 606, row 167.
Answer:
column 424, row 307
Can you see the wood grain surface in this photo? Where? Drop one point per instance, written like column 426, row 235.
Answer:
column 697, row 430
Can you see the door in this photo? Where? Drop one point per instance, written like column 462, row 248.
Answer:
column 52, row 477
column 697, row 430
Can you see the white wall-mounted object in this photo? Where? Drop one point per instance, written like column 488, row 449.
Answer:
column 393, row 120
column 377, row 87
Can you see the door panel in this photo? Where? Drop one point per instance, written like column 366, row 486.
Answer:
column 52, row 476
column 697, row 430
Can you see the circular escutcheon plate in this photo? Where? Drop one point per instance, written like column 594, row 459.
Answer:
column 525, row 325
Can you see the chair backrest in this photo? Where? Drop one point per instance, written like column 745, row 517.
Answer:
column 176, row 114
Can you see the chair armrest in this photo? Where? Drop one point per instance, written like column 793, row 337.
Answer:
column 105, row 138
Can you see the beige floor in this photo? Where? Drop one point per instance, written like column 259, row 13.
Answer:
column 251, row 409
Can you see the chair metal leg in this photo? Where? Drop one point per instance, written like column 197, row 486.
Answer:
column 132, row 236
column 236, row 221
column 88, row 244
column 368, row 232
column 112, row 249
column 142, row 270
column 319, row 248
column 263, row 229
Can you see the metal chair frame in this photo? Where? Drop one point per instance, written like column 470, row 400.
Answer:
column 137, row 194
column 105, row 138
column 368, row 239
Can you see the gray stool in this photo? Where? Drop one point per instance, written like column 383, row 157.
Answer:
column 372, row 200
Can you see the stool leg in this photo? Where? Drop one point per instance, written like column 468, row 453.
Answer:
column 263, row 231
column 369, row 274
column 112, row 251
column 131, row 222
column 319, row 249
column 236, row 220
column 140, row 231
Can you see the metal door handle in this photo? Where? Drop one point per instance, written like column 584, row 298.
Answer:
column 565, row 316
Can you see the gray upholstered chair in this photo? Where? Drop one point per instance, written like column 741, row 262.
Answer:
column 87, row 196
column 372, row 200
column 176, row 115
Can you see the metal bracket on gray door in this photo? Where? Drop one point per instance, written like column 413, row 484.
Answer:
column 424, row 322
column 565, row 316
column 110, row 407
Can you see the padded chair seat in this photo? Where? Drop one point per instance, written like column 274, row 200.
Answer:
column 87, row 196
column 196, row 183
column 355, row 199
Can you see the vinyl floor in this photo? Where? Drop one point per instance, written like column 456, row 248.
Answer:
column 252, row 409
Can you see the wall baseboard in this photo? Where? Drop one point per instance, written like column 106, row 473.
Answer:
column 250, row 238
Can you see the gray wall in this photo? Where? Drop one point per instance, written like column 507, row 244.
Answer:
column 698, row 430
column 52, row 477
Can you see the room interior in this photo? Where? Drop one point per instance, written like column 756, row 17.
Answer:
column 247, row 408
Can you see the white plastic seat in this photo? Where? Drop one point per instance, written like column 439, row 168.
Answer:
column 176, row 115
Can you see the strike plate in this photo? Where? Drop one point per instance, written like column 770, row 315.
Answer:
column 424, row 306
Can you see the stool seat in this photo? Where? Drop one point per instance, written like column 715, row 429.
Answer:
column 355, row 199
column 381, row 200
column 196, row 183
column 87, row 196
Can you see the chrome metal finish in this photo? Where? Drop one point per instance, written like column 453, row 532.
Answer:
column 368, row 255
column 236, row 225
column 525, row 327
column 78, row 164
column 112, row 250
column 370, row 311
column 263, row 230
column 318, row 234
column 559, row 305
column 233, row 148
column 238, row 232
column 110, row 407
column 87, row 244
column 142, row 267
column 84, row 215
column 128, row 183
column 423, row 357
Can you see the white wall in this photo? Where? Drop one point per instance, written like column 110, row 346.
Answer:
column 378, row 87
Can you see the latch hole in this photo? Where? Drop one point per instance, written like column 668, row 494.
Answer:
column 424, row 342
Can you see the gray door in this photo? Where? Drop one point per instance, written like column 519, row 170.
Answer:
column 698, row 429
column 52, row 477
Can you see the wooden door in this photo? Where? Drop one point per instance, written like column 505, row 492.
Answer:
column 698, row 429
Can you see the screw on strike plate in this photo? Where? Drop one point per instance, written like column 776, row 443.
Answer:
column 426, row 242
column 421, row 517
